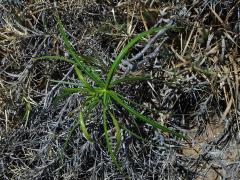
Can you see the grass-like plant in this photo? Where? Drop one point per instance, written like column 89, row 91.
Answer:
column 99, row 91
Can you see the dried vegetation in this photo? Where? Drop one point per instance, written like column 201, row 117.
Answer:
column 195, row 88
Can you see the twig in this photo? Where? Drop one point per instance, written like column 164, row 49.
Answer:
column 148, row 45
column 153, row 54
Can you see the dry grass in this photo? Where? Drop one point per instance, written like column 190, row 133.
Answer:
column 195, row 90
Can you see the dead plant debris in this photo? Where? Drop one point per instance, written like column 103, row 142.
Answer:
column 195, row 88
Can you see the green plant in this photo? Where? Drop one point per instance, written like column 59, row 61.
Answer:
column 99, row 92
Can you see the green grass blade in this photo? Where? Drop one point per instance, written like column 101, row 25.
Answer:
column 67, row 43
column 144, row 118
column 109, row 146
column 60, row 58
column 125, row 50
column 83, row 128
column 92, row 61
column 90, row 104
column 79, row 61
column 78, row 72
column 118, row 131
column 134, row 134
column 27, row 111
column 128, row 79
column 67, row 92
column 93, row 75
column 137, row 104
column 81, row 78
column 75, row 125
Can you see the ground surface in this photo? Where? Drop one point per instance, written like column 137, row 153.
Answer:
column 195, row 90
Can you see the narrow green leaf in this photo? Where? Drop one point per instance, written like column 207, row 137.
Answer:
column 133, row 122
column 74, row 126
column 90, row 103
column 81, row 78
column 134, row 134
column 67, row 92
column 144, row 118
column 129, row 79
column 92, row 74
column 109, row 146
column 78, row 59
column 118, row 132
column 94, row 62
column 83, row 128
column 27, row 111
column 67, row 43
column 137, row 104
column 125, row 50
